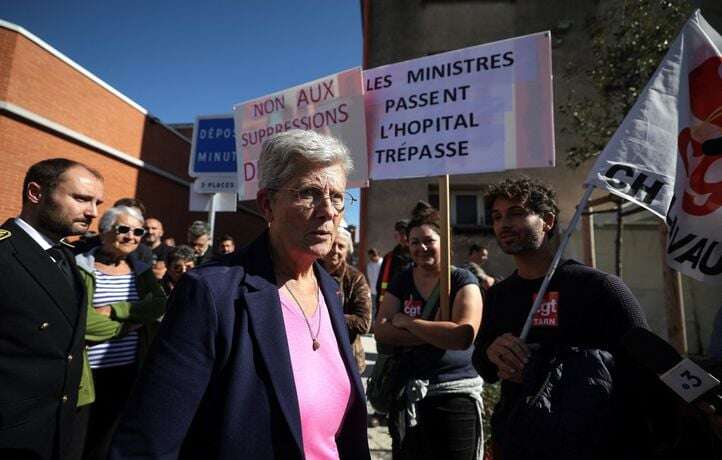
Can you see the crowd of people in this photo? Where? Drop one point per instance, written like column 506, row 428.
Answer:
column 257, row 353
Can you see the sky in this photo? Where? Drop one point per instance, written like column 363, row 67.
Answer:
column 179, row 59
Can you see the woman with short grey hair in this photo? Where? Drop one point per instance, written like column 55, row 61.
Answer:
column 345, row 235
column 124, row 302
column 353, row 291
column 255, row 359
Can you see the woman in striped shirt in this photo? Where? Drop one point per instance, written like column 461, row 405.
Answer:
column 124, row 303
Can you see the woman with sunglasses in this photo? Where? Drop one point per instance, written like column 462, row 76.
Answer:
column 124, row 301
column 254, row 359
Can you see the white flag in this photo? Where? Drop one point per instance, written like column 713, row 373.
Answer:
column 667, row 154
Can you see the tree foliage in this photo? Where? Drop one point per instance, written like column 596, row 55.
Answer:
column 629, row 39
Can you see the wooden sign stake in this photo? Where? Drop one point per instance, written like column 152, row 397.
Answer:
column 445, row 279
column 673, row 299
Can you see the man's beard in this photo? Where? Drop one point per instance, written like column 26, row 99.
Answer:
column 53, row 223
column 528, row 242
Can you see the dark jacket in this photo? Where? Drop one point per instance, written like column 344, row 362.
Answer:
column 587, row 309
column 205, row 258
column 565, row 410
column 41, row 345
column 218, row 381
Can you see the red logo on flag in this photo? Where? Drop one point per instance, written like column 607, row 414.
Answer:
column 548, row 313
column 700, row 145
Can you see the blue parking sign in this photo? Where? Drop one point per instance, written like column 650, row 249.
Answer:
column 214, row 146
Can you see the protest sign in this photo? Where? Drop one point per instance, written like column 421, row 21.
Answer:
column 666, row 156
column 478, row 109
column 332, row 105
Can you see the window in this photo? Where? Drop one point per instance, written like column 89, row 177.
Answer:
column 467, row 207
column 467, row 212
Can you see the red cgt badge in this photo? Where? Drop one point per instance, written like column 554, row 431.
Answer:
column 548, row 313
column 413, row 307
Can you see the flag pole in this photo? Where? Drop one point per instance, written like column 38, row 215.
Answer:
column 553, row 267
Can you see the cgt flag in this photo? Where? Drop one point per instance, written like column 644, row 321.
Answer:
column 667, row 154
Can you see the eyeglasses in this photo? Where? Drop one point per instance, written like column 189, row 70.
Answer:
column 124, row 229
column 311, row 197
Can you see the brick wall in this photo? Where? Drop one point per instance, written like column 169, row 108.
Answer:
column 36, row 80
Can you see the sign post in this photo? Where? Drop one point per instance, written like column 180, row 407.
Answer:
column 445, row 281
column 212, row 215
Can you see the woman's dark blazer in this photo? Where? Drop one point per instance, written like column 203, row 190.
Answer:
column 218, row 383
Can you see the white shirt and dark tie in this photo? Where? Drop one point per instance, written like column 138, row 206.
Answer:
column 54, row 250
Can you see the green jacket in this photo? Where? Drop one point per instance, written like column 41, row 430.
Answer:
column 100, row 328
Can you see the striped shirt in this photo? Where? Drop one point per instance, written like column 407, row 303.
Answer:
column 110, row 289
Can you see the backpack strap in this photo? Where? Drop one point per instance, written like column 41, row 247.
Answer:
column 429, row 306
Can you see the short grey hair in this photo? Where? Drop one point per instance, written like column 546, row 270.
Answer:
column 284, row 154
column 197, row 229
column 341, row 232
column 110, row 217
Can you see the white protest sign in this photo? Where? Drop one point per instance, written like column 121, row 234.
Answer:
column 332, row 105
column 478, row 109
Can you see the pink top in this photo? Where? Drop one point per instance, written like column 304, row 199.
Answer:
column 322, row 383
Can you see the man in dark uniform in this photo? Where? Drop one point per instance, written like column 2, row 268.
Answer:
column 42, row 311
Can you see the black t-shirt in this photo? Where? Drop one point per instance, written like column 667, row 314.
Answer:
column 583, row 307
column 428, row 362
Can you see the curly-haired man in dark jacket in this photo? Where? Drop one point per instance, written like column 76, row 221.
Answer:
column 582, row 308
